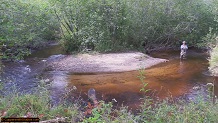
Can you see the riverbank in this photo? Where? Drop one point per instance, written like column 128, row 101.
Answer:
column 214, row 71
column 38, row 105
column 112, row 62
column 213, row 61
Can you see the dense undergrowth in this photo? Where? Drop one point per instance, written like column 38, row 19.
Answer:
column 104, row 25
column 126, row 24
column 25, row 25
column 38, row 104
column 213, row 61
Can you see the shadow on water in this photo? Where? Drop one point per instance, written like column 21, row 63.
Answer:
column 47, row 52
column 174, row 79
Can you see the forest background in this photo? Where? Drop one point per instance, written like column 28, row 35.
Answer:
column 105, row 26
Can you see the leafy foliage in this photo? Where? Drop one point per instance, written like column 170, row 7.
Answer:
column 213, row 60
column 211, row 41
column 103, row 25
column 25, row 25
column 127, row 24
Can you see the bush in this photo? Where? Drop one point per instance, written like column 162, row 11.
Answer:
column 214, row 60
column 25, row 25
column 127, row 24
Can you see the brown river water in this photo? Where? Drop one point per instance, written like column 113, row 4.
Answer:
column 175, row 79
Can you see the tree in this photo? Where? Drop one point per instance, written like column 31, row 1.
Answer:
column 25, row 25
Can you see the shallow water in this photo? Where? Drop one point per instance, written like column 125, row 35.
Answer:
column 173, row 79
column 170, row 79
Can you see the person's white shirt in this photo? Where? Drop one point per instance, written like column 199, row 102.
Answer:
column 184, row 47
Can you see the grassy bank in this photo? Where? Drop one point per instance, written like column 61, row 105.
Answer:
column 38, row 105
column 214, row 60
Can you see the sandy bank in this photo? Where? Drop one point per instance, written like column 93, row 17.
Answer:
column 113, row 62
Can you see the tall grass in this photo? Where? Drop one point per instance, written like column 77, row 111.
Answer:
column 199, row 111
column 38, row 105
column 214, row 60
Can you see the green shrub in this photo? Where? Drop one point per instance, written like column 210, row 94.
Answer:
column 127, row 24
column 214, row 60
column 25, row 25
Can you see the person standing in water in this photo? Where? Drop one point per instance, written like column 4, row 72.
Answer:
column 184, row 48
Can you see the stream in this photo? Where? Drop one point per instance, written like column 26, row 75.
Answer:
column 173, row 79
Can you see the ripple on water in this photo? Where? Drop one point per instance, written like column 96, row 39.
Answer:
column 174, row 78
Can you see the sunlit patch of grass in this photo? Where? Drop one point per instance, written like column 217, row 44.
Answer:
column 214, row 60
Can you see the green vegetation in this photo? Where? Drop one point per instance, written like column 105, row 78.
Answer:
column 166, row 111
column 211, row 41
column 38, row 104
column 103, row 25
column 25, row 25
column 214, row 60
column 126, row 24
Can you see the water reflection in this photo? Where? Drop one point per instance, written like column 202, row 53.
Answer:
column 171, row 79
column 181, row 67
column 58, row 85
column 174, row 78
